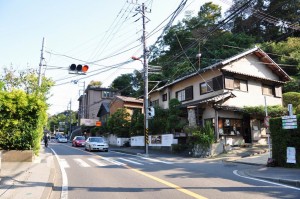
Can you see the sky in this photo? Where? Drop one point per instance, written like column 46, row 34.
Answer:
column 100, row 33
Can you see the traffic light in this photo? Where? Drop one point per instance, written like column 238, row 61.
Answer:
column 151, row 112
column 79, row 69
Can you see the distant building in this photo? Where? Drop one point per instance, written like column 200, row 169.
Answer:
column 129, row 103
column 90, row 102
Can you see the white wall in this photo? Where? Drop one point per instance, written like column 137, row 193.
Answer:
column 166, row 140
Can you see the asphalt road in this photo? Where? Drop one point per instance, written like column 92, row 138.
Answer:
column 116, row 175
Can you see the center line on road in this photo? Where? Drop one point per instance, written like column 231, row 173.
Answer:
column 183, row 190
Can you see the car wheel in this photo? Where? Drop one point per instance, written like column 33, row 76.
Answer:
column 90, row 149
column 106, row 150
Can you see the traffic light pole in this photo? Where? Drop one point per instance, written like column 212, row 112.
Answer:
column 146, row 98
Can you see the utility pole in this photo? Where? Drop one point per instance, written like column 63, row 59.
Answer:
column 70, row 119
column 41, row 64
column 146, row 98
column 145, row 66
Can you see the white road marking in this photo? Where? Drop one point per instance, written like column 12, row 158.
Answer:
column 81, row 163
column 235, row 172
column 130, row 161
column 64, row 187
column 97, row 162
column 113, row 161
column 155, row 160
column 63, row 163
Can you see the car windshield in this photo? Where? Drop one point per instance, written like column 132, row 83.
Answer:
column 80, row 138
column 96, row 139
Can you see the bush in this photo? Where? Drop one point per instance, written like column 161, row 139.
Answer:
column 201, row 140
column 283, row 138
column 22, row 118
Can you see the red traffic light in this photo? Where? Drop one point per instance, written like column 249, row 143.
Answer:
column 85, row 68
column 79, row 68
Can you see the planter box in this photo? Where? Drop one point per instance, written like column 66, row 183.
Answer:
column 17, row 156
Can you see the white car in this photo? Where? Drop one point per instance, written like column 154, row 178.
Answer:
column 96, row 143
column 62, row 139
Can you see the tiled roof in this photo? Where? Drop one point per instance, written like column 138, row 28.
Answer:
column 257, row 51
column 129, row 99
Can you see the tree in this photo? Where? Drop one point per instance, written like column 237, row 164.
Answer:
column 191, row 36
column 294, row 99
column 26, row 80
column 54, row 120
column 174, row 121
column 137, row 123
column 119, row 123
column 265, row 20
column 22, row 109
column 95, row 83
column 287, row 55
column 130, row 84
column 157, row 125
column 124, row 84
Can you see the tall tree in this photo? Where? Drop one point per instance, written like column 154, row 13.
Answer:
column 200, row 35
column 271, row 20
column 130, row 84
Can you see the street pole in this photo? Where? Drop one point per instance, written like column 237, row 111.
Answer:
column 268, row 133
column 41, row 64
column 70, row 119
column 145, row 83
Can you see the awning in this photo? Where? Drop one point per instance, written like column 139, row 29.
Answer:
column 214, row 99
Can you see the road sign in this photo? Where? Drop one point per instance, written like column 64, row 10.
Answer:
column 289, row 122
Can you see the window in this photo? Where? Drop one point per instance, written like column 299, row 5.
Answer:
column 164, row 97
column 236, row 84
column 206, row 87
column 213, row 84
column 107, row 94
column 186, row 94
column 180, row 95
column 278, row 91
column 229, row 126
column 155, row 103
column 267, row 89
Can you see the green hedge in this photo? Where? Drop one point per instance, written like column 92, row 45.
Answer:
column 283, row 138
column 22, row 118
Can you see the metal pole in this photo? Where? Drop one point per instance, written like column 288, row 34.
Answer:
column 70, row 119
column 269, row 144
column 145, row 82
column 41, row 64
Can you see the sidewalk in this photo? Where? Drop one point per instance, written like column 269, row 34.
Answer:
column 28, row 180
column 33, row 180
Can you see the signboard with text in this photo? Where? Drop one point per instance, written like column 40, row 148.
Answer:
column 289, row 122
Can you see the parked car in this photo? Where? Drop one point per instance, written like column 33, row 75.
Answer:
column 96, row 143
column 62, row 139
column 78, row 141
